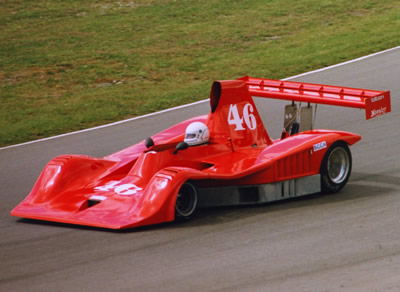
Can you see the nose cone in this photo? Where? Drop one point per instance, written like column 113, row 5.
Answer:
column 100, row 210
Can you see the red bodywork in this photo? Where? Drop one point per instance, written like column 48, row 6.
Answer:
column 138, row 186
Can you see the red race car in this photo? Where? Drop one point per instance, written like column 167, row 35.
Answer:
column 223, row 158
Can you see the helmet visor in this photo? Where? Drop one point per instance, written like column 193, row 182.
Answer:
column 190, row 135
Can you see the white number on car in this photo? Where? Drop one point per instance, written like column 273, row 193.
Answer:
column 247, row 116
column 123, row 190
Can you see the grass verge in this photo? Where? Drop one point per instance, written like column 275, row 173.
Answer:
column 69, row 65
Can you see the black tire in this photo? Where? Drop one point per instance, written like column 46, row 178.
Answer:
column 335, row 168
column 186, row 201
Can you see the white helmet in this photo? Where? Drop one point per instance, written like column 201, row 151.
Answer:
column 196, row 134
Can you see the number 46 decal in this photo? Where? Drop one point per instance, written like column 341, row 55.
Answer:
column 247, row 116
column 123, row 190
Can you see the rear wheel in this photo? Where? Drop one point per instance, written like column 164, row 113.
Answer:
column 186, row 201
column 335, row 168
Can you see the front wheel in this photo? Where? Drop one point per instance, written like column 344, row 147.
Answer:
column 186, row 201
column 335, row 168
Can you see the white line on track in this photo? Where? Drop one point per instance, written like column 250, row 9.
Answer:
column 194, row 103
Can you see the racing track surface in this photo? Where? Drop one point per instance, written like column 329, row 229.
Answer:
column 349, row 241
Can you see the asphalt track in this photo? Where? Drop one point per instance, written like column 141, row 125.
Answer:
column 349, row 241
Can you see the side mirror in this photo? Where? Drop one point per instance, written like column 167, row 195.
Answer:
column 149, row 142
column 181, row 146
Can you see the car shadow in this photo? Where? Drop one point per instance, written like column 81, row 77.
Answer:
column 362, row 185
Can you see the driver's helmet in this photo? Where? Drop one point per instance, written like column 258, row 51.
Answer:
column 196, row 134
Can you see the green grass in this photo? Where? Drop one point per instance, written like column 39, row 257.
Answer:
column 69, row 65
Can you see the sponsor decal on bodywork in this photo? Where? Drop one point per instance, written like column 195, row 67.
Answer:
column 378, row 112
column 377, row 98
column 319, row 146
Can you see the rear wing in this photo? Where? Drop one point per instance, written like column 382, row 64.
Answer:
column 374, row 102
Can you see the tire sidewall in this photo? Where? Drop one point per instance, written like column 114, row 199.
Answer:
column 327, row 185
column 182, row 216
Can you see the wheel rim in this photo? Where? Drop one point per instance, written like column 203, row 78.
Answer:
column 186, row 200
column 338, row 165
